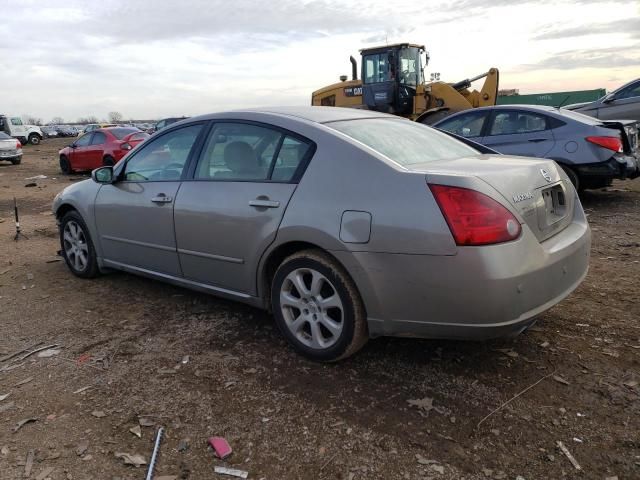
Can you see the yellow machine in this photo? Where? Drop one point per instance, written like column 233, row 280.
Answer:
column 393, row 82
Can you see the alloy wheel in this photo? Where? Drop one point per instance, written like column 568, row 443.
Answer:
column 312, row 308
column 75, row 246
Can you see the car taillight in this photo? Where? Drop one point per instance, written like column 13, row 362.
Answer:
column 126, row 146
column 18, row 145
column 474, row 218
column 610, row 143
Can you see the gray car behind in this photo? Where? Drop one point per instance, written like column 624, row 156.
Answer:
column 592, row 152
column 623, row 103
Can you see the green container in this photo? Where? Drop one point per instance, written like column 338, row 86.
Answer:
column 553, row 99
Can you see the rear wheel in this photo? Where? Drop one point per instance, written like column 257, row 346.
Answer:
column 34, row 139
column 16, row 161
column 65, row 165
column 77, row 246
column 317, row 307
column 108, row 161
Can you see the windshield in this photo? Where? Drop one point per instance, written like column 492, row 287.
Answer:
column 122, row 132
column 403, row 141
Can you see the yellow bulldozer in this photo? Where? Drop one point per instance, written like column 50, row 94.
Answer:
column 393, row 82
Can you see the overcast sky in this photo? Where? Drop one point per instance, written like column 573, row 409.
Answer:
column 155, row 58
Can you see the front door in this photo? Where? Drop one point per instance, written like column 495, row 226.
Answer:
column 518, row 132
column 79, row 153
column 134, row 216
column 229, row 213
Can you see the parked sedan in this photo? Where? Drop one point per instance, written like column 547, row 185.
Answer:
column 10, row 149
column 621, row 103
column 346, row 224
column 105, row 146
column 49, row 131
column 592, row 152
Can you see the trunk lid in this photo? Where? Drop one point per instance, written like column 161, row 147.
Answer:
column 8, row 144
column 535, row 188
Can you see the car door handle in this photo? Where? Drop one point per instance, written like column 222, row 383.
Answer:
column 161, row 198
column 260, row 203
column 536, row 140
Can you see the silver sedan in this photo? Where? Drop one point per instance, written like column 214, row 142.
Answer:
column 346, row 224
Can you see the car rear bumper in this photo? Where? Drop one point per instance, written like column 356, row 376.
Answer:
column 10, row 155
column 621, row 166
column 479, row 293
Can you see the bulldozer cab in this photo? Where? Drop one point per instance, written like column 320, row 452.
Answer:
column 390, row 77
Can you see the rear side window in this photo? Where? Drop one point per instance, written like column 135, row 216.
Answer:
column 403, row 141
column 247, row 152
column 513, row 122
column 98, row 138
column 466, row 125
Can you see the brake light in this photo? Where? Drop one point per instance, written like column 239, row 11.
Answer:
column 18, row 145
column 126, row 146
column 474, row 218
column 610, row 143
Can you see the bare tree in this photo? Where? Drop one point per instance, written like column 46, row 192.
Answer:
column 31, row 120
column 115, row 117
column 57, row 120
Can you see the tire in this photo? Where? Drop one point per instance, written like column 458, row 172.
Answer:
column 16, row 161
column 34, row 139
column 108, row 161
column 77, row 247
column 65, row 165
column 574, row 177
column 300, row 316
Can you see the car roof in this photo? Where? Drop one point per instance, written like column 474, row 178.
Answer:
column 309, row 113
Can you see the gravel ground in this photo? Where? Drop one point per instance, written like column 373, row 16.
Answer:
column 134, row 352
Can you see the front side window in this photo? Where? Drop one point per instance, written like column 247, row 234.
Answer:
column 631, row 91
column 513, row 122
column 16, row 121
column 465, row 125
column 376, row 68
column 83, row 141
column 238, row 151
column 409, row 68
column 98, row 138
column 403, row 141
column 163, row 158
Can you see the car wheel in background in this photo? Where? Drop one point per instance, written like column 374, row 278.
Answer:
column 317, row 307
column 65, row 165
column 34, row 139
column 573, row 176
column 108, row 161
column 77, row 247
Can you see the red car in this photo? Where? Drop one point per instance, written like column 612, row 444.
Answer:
column 104, row 146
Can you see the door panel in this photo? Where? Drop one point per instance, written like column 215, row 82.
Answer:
column 79, row 154
column 522, row 133
column 136, row 230
column 222, row 229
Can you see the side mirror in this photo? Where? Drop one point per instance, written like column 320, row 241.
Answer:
column 608, row 98
column 73, row 145
column 103, row 175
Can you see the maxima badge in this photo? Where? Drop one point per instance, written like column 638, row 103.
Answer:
column 545, row 174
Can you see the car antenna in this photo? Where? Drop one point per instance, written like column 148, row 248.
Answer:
column 564, row 101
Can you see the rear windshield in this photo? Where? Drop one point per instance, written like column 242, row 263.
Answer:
column 403, row 141
column 120, row 133
column 4, row 136
column 580, row 117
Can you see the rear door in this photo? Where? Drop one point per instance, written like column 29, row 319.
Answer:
column 95, row 150
column 519, row 132
column 134, row 216
column 229, row 212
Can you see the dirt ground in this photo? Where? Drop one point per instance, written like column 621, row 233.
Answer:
column 135, row 351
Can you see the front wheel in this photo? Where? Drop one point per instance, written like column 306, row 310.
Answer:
column 317, row 307
column 65, row 165
column 34, row 139
column 77, row 247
